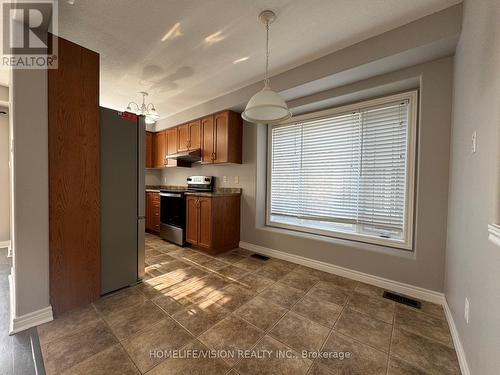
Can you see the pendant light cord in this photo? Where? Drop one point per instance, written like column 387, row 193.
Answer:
column 266, row 80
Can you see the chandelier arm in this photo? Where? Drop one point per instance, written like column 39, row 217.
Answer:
column 150, row 106
column 133, row 103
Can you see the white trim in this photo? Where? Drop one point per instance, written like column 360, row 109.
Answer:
column 494, row 233
column 396, row 286
column 459, row 349
column 6, row 244
column 35, row 318
column 406, row 244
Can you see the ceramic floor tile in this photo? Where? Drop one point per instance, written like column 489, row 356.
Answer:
column 112, row 305
column 377, row 308
column 299, row 280
column 271, row 363
column 195, row 365
column 167, row 304
column 365, row 329
column 423, row 324
column 325, row 291
column 162, row 336
column 231, row 297
column 134, row 319
column 231, row 334
column 321, row 312
column 273, row 271
column 199, row 317
column 369, row 290
column 255, row 283
column 398, row 367
column 362, row 359
column 183, row 296
column 249, row 264
column 243, row 252
column 64, row 353
column 112, row 361
column 261, row 313
column 67, row 324
column 230, row 257
column 232, row 273
column 282, row 295
column 341, row 282
column 300, row 333
column 423, row 353
column 317, row 369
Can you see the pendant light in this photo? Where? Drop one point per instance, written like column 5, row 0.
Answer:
column 266, row 107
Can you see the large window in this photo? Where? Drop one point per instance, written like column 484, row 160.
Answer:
column 346, row 172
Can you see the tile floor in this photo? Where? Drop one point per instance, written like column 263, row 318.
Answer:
column 233, row 303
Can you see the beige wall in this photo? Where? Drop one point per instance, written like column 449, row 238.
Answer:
column 425, row 266
column 472, row 262
column 4, row 177
column 30, row 190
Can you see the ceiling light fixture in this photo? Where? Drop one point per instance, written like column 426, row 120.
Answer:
column 266, row 107
column 149, row 110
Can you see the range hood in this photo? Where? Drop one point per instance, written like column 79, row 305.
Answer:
column 190, row 156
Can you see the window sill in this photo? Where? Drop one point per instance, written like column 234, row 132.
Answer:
column 494, row 233
column 337, row 232
column 357, row 245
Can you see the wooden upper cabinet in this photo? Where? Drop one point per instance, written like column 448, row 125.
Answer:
column 171, row 141
column 159, row 144
column 188, row 136
column 183, row 137
column 194, row 135
column 207, row 139
column 222, row 138
column 149, row 150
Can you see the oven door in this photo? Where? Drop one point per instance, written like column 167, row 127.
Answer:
column 173, row 209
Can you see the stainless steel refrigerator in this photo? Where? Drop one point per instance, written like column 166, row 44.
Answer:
column 122, row 198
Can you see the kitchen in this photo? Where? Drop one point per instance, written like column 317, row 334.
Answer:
column 226, row 178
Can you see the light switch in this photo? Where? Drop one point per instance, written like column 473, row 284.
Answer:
column 224, row 179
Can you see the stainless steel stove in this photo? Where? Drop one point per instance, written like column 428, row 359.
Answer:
column 173, row 208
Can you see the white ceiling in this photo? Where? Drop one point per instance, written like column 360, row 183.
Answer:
column 184, row 70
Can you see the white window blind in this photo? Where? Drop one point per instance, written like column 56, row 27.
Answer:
column 348, row 169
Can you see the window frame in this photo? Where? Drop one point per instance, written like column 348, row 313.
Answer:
column 408, row 233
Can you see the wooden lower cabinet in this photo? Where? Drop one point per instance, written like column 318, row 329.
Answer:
column 152, row 212
column 213, row 222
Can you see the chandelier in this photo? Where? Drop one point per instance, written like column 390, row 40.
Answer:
column 147, row 110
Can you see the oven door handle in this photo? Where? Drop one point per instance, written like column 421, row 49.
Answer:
column 174, row 195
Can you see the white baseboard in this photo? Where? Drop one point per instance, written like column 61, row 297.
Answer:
column 395, row 286
column 462, row 360
column 35, row 318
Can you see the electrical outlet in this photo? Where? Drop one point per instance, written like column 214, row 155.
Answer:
column 466, row 312
column 474, row 142
column 236, row 179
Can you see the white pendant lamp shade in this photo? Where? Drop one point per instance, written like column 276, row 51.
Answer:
column 267, row 106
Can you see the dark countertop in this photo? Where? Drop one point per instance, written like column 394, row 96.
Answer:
column 218, row 192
